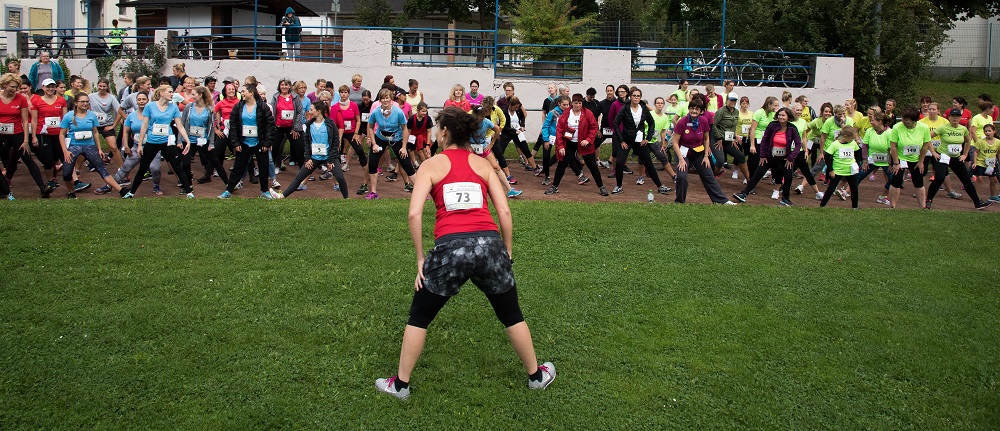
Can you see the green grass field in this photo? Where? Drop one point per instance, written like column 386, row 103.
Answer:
column 250, row 314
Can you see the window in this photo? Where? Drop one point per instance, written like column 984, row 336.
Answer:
column 13, row 18
column 433, row 42
column 411, row 43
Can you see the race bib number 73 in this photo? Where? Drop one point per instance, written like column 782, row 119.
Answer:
column 462, row 196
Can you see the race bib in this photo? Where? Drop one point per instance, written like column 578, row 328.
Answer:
column 479, row 148
column 638, row 136
column 684, row 151
column 936, row 143
column 319, row 150
column 606, row 131
column 552, row 140
column 51, row 122
column 809, row 145
column 521, row 137
column 903, row 164
column 846, row 153
column 779, row 151
column 880, row 157
column 287, row 115
column 250, row 131
column 462, row 196
column 6, row 128
column 744, row 129
column 568, row 135
column 201, row 142
column 364, row 117
column 84, row 135
column 347, row 125
column 910, row 150
column 954, row 149
column 102, row 117
column 855, row 169
column 945, row 159
column 991, row 162
column 730, row 136
column 412, row 139
column 161, row 129
column 197, row 131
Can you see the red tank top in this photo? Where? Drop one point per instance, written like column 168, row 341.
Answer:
column 49, row 116
column 284, row 112
column 460, row 199
column 10, row 115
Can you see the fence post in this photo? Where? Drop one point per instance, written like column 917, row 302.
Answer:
column 989, row 54
column 619, row 44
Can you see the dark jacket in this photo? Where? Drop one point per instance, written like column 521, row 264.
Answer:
column 265, row 123
column 791, row 136
column 520, row 120
column 333, row 148
column 293, row 26
column 624, row 126
column 725, row 121
column 299, row 110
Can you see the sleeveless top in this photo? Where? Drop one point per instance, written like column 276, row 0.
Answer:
column 460, row 199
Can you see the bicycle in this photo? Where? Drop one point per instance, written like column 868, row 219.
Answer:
column 783, row 71
column 696, row 69
column 185, row 48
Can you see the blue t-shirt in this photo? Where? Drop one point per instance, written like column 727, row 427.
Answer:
column 135, row 125
column 480, row 136
column 159, row 122
column 81, row 133
column 196, row 119
column 319, row 136
column 393, row 124
column 249, row 117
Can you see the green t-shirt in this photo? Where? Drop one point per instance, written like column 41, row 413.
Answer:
column 878, row 147
column 952, row 139
column 744, row 125
column 832, row 130
column 843, row 156
column 682, row 110
column 815, row 129
column 763, row 120
column 978, row 122
column 802, row 126
column 909, row 141
column 933, row 125
column 681, row 95
column 987, row 154
column 661, row 122
column 671, row 112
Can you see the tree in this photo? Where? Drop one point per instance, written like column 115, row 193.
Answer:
column 374, row 13
column 550, row 22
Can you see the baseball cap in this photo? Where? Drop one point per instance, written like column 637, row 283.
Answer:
column 955, row 111
column 47, row 82
column 228, row 79
column 733, row 96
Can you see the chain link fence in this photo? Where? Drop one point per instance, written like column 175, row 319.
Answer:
column 972, row 49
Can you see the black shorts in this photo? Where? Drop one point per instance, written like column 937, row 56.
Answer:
column 106, row 133
column 980, row 171
column 477, row 256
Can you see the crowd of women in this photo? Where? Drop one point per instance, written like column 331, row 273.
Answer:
column 388, row 134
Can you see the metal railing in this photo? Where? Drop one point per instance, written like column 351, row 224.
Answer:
column 748, row 68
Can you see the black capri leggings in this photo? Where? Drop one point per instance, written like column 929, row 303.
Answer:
column 396, row 147
column 358, row 149
column 501, row 147
column 426, row 305
column 915, row 176
column 49, row 151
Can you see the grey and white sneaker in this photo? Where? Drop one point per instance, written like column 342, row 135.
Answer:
column 548, row 375
column 389, row 386
column 954, row 195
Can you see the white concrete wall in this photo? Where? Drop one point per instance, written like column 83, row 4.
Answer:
column 368, row 54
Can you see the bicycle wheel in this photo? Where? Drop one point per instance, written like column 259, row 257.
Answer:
column 751, row 75
column 794, row 77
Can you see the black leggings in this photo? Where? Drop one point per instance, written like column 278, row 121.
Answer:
column 426, row 305
column 242, row 165
column 173, row 156
column 501, row 147
column 958, row 167
column 49, row 151
column 777, row 167
column 11, row 147
column 728, row 149
column 358, row 149
column 211, row 160
column 802, row 166
column 915, row 176
column 589, row 159
column 296, row 151
column 549, row 159
column 641, row 153
column 753, row 159
column 396, row 147
column 304, row 172
column 852, row 182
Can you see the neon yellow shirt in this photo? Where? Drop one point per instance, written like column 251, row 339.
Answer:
column 762, row 119
column 952, row 139
column 986, row 155
column 744, row 124
column 909, row 141
column 843, row 156
column 878, row 147
column 832, row 130
column 933, row 125
column 978, row 122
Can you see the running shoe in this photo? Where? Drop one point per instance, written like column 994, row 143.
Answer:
column 984, row 204
column 617, row 190
column 282, row 167
column 603, row 191
column 389, row 386
column 79, row 186
column 392, row 177
column 102, row 190
column 254, row 179
column 742, row 197
column 546, row 181
column 819, row 196
column 225, row 195
column 548, row 375
column 205, row 179
column 379, row 171
column 995, row 198
column 239, row 185
column 363, row 189
column 821, row 178
column 343, row 159
column 48, row 191
column 156, row 190
column 53, row 184
column 336, row 187
column 345, row 168
column 786, row 203
column 513, row 193
column 266, row 195
column 408, row 187
column 611, row 174
column 147, row 175
column 731, row 203
column 798, row 189
column 126, row 182
column 275, row 184
column 127, row 195
column 767, row 174
column 640, row 181
column 628, row 171
column 71, row 195
column 313, row 178
column 840, row 194
column 276, row 194
column 326, row 175
column 581, row 180
column 884, row 200
column 10, row 196
column 301, row 187
column 664, row 190
column 371, row 196
column 871, row 177
column 538, row 172
column 511, row 179
column 190, row 195
column 954, row 195
column 552, row 190
column 928, row 205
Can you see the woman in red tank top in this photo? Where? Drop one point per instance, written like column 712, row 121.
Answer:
column 467, row 246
